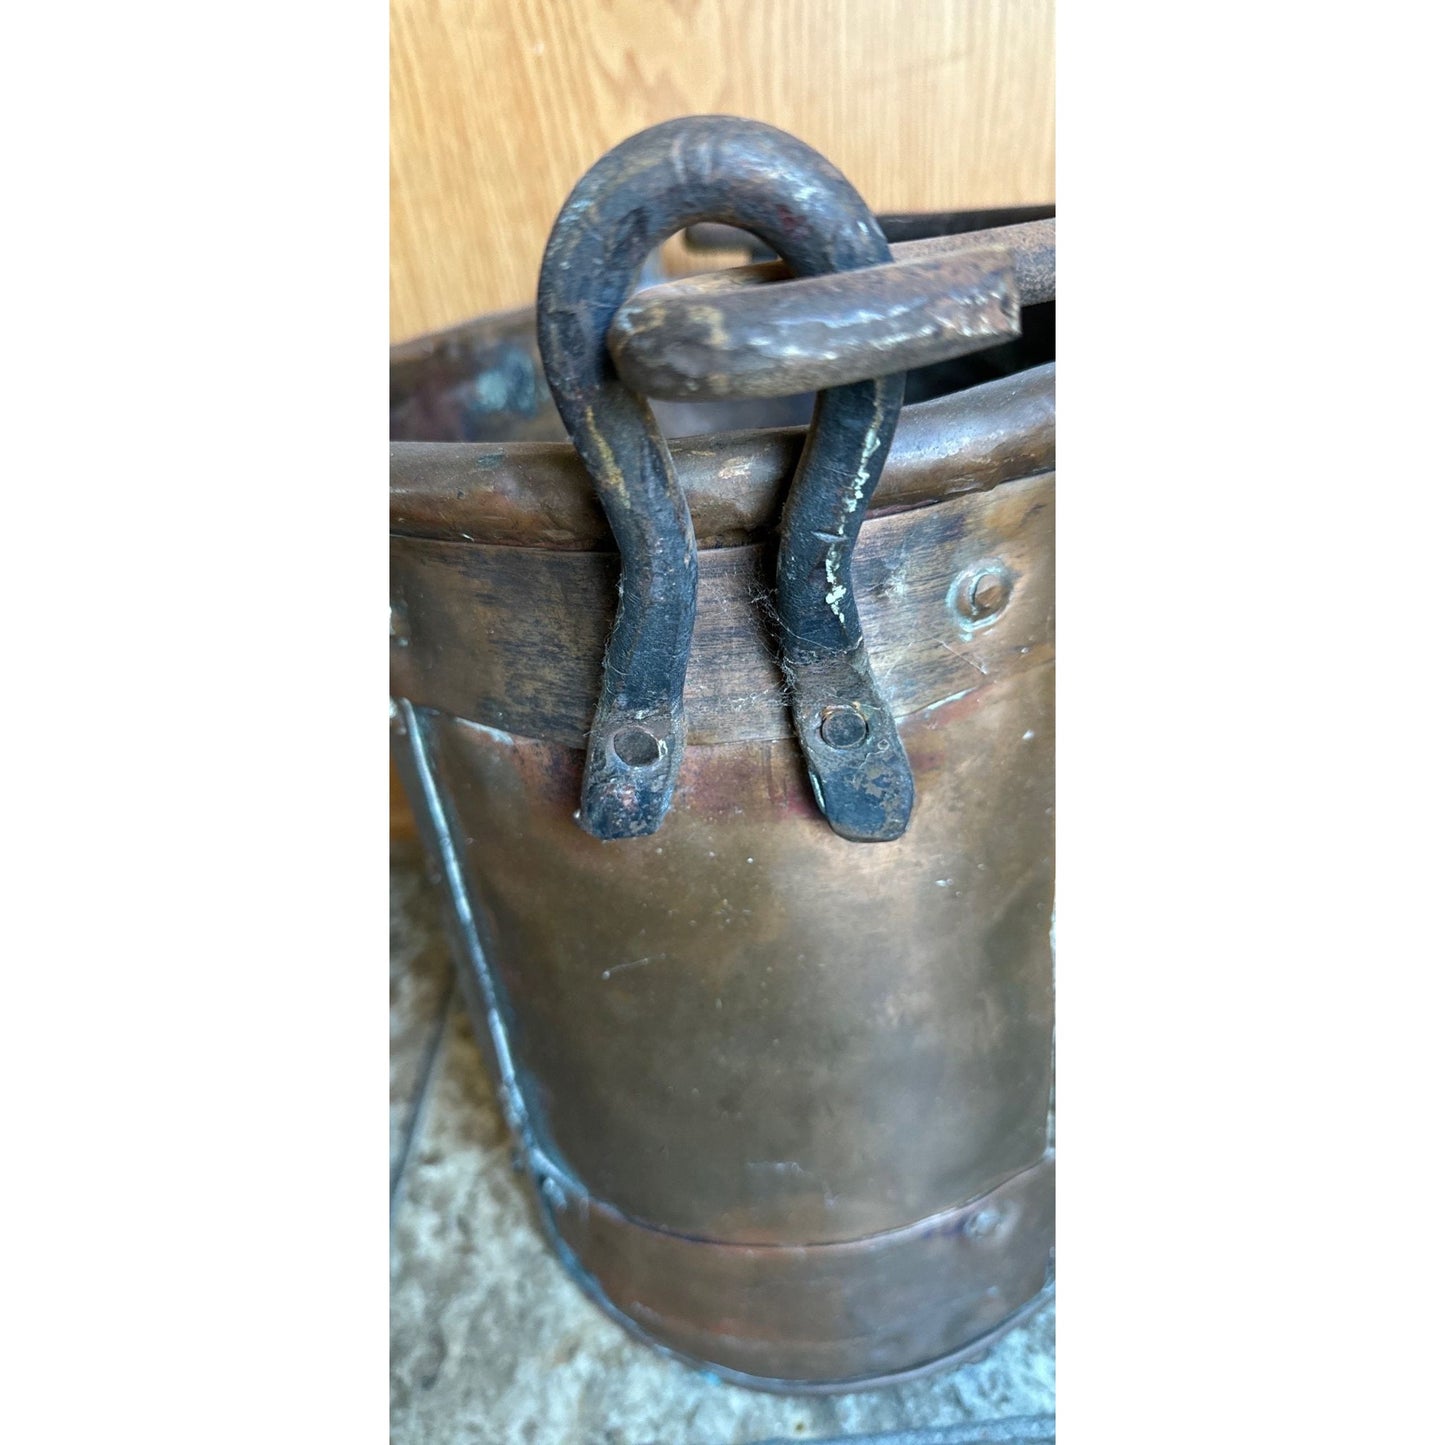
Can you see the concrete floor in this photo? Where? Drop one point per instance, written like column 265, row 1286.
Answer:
column 492, row 1343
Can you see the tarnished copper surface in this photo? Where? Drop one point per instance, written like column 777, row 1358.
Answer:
column 749, row 1029
column 785, row 1100
column 483, row 378
column 538, row 494
column 511, row 636
column 863, row 1310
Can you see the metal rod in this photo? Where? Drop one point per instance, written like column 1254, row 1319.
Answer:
column 819, row 332
column 719, row 336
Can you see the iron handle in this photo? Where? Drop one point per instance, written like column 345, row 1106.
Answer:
column 744, row 173
column 822, row 331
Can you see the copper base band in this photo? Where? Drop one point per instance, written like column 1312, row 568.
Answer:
column 825, row 1317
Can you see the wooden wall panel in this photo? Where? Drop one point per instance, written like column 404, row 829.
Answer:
column 499, row 105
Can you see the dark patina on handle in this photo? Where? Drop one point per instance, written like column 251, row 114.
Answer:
column 749, row 175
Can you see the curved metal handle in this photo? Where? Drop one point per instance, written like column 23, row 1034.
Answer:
column 744, row 173
column 823, row 331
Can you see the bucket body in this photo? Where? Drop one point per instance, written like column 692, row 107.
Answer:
column 785, row 1100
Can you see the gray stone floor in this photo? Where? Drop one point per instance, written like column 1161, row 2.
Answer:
column 492, row 1342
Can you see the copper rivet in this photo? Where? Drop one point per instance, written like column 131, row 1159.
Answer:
column 982, row 1224
column 988, row 595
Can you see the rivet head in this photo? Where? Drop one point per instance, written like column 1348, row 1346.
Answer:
column 636, row 747
column 983, row 1223
column 842, row 727
column 988, row 595
column 979, row 595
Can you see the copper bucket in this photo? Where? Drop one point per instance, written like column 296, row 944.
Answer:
column 785, row 1099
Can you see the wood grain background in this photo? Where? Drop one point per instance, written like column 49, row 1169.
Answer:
column 498, row 106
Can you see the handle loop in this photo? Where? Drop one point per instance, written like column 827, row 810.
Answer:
column 749, row 175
